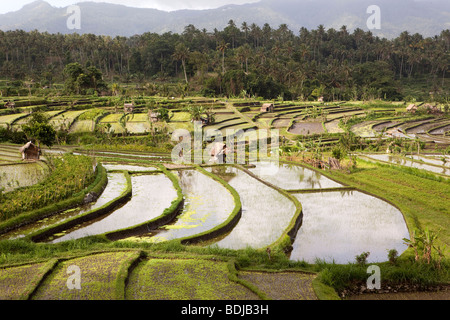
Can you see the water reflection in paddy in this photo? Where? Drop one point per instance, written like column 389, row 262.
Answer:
column 207, row 205
column 408, row 163
column 266, row 213
column 152, row 194
column 117, row 184
column 124, row 167
column 338, row 226
column 436, row 160
column 292, row 177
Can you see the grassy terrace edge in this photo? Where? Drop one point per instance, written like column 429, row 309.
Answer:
column 87, row 216
column 96, row 187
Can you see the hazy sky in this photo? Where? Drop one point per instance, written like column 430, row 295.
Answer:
column 168, row 5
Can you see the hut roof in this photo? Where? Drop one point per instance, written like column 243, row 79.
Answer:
column 411, row 107
column 27, row 146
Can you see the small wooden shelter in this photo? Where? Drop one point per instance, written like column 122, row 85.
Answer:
column 412, row 108
column 10, row 105
column 267, row 107
column 128, row 107
column 154, row 116
column 30, row 152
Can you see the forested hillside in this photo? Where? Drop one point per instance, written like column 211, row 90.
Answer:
column 240, row 60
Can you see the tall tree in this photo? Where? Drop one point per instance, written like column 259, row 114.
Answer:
column 182, row 54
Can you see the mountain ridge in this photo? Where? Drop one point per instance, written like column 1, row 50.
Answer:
column 428, row 18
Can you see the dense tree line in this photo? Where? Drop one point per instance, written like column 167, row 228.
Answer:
column 245, row 60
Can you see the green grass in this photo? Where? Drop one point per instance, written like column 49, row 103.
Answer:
column 11, row 118
column 83, row 126
column 181, row 116
column 112, row 118
column 69, row 175
column 184, row 279
column 421, row 275
column 101, row 278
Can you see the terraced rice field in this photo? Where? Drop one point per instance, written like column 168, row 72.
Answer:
column 161, row 279
column 131, row 275
column 292, row 177
column 356, row 222
column 17, row 175
column 338, row 226
column 66, row 119
column 9, row 120
column 113, row 121
column 207, row 205
column 258, row 226
column 83, row 126
column 138, row 123
column 423, row 165
column 307, row 128
column 9, row 154
column 117, row 184
column 152, row 194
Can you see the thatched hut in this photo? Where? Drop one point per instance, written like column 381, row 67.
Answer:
column 30, row 152
column 10, row 105
column 411, row 108
column 267, row 107
column 128, row 107
column 154, row 116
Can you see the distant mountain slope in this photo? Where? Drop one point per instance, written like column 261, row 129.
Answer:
column 428, row 17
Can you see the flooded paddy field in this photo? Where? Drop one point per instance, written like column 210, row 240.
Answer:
column 307, row 128
column 129, row 167
column 435, row 159
column 207, row 204
column 152, row 194
column 292, row 177
column 266, row 213
column 408, row 163
column 117, row 184
column 338, row 226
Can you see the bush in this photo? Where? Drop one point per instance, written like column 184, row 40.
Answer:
column 362, row 258
column 393, row 256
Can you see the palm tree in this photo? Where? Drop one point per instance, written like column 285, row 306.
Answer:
column 181, row 54
column 246, row 29
column 196, row 112
column 243, row 54
column 222, row 47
